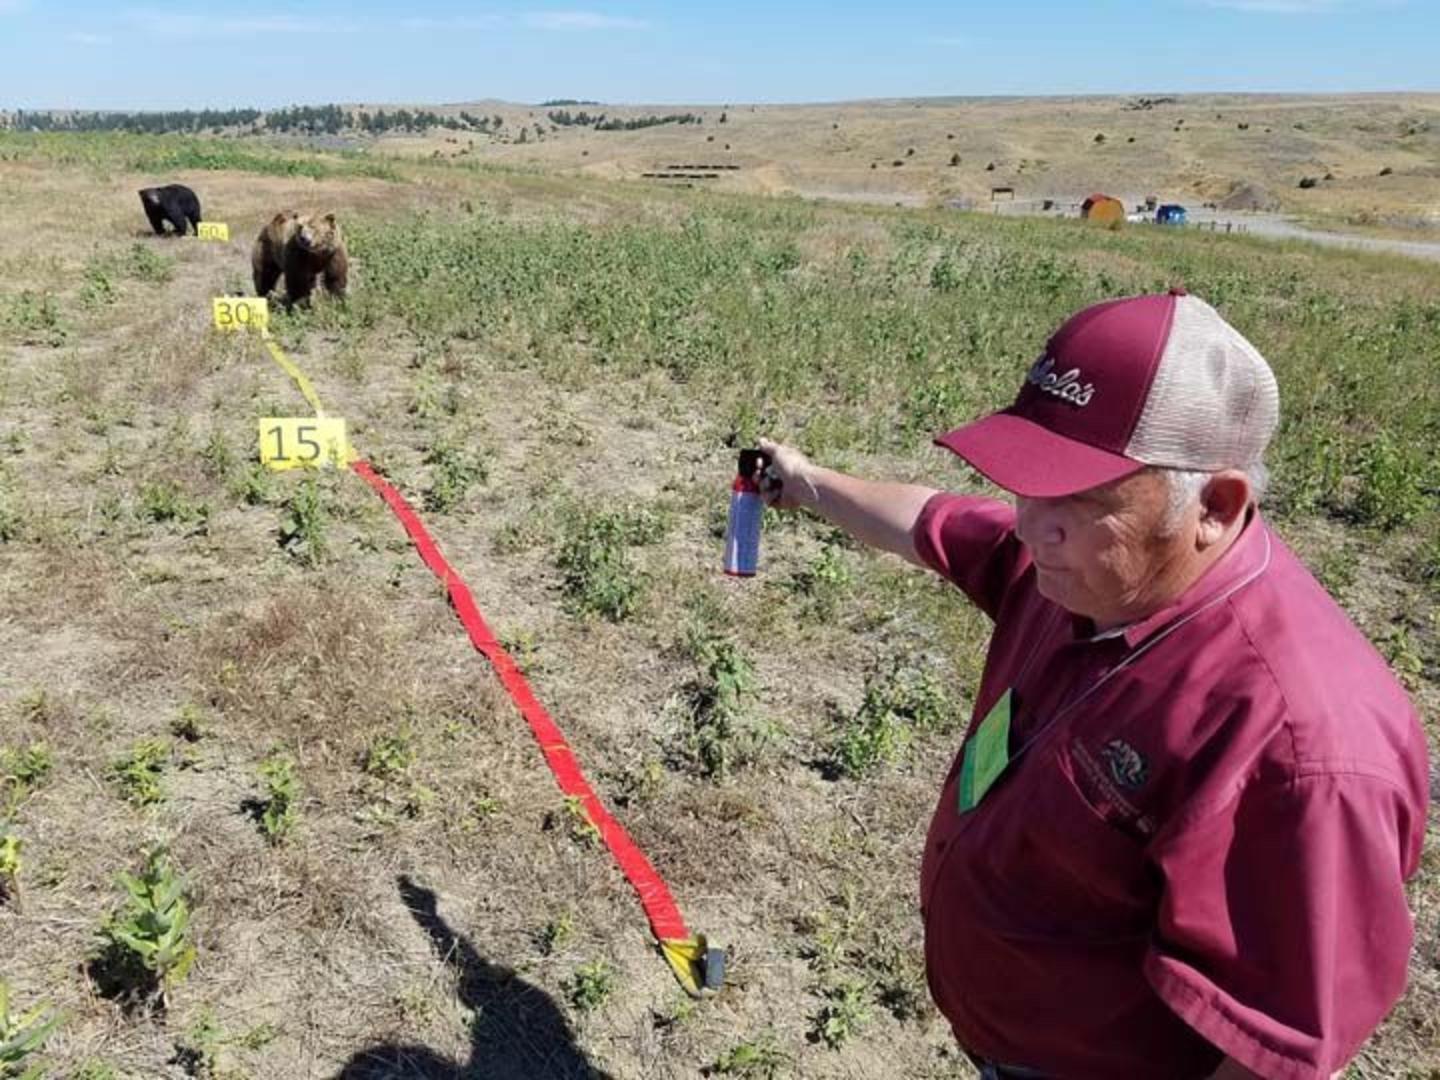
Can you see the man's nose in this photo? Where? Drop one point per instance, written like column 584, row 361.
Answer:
column 1037, row 523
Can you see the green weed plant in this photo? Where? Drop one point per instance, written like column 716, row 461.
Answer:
column 303, row 525
column 389, row 756
column 23, row 769
column 592, row 986
column 723, row 731
column 140, row 773
column 898, row 703
column 823, row 583
column 22, row 1036
column 282, row 791
column 760, row 1058
column 844, row 1014
column 163, row 502
column 556, row 934
column 454, row 471
column 146, row 947
column 598, row 577
column 10, row 862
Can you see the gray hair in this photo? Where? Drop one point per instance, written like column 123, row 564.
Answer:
column 1186, row 485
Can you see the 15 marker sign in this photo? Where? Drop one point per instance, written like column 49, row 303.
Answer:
column 303, row 442
column 240, row 313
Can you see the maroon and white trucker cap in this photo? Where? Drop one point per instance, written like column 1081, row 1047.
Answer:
column 1146, row 380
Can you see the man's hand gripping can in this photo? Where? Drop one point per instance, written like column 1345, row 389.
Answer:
column 742, row 533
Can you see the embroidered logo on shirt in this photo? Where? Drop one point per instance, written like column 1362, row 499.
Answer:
column 1107, row 781
column 1127, row 767
column 1066, row 386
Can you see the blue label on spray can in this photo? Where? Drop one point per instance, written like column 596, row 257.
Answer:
column 742, row 533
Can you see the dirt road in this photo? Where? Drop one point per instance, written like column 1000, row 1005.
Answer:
column 1281, row 227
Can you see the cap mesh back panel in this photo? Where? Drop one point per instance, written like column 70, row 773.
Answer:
column 1214, row 403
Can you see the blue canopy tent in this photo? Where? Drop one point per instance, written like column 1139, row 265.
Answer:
column 1170, row 214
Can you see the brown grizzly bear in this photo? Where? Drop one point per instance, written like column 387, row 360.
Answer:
column 301, row 248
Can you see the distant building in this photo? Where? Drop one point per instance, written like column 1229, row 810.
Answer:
column 1103, row 209
column 997, row 192
column 1170, row 214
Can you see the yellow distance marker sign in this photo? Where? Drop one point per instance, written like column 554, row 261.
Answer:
column 213, row 230
column 304, row 442
column 240, row 312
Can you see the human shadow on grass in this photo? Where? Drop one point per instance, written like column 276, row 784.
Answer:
column 519, row 1032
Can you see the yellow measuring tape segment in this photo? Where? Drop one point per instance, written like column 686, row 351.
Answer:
column 278, row 355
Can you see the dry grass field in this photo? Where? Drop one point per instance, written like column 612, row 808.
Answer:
column 1190, row 149
column 555, row 368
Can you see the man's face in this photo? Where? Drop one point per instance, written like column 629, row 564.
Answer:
column 1102, row 553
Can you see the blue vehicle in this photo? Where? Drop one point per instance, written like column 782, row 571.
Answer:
column 1170, row 214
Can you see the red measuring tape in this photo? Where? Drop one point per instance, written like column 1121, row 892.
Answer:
column 697, row 966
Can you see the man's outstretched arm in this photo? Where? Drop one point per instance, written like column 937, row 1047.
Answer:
column 875, row 512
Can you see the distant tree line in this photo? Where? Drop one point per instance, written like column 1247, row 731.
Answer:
column 309, row 119
column 648, row 121
column 297, row 119
column 566, row 101
column 565, row 118
column 483, row 123
column 378, row 123
column 150, row 123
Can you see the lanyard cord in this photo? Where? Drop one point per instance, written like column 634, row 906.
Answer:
column 1136, row 653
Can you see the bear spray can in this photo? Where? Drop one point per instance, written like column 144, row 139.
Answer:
column 742, row 533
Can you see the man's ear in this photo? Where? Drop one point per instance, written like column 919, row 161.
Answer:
column 1223, row 502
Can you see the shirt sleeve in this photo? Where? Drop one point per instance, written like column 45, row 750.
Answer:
column 1283, row 932
column 971, row 542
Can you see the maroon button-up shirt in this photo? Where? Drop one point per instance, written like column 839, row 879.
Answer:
column 1200, row 850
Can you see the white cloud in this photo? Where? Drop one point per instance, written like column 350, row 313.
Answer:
column 583, row 20
column 189, row 25
column 81, row 38
column 10, row 7
column 462, row 22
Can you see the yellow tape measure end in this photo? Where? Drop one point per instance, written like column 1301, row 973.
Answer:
column 699, row 969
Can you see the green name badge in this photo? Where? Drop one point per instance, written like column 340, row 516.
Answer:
column 986, row 755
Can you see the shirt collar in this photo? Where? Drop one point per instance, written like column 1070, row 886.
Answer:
column 1247, row 556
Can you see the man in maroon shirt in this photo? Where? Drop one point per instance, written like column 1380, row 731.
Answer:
column 1174, row 841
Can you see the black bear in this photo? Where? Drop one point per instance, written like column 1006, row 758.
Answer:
column 174, row 203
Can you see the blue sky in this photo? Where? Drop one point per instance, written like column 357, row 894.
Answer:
column 90, row 54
